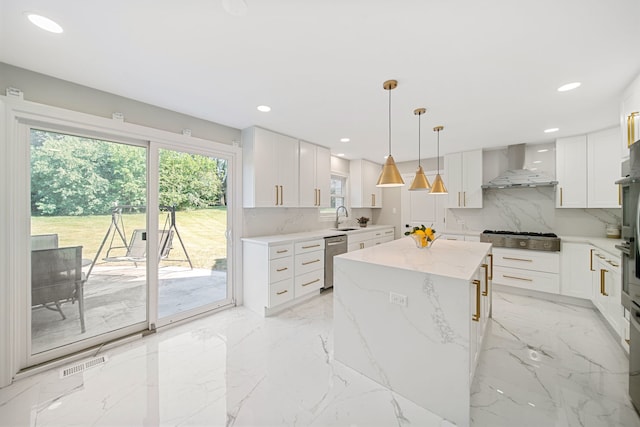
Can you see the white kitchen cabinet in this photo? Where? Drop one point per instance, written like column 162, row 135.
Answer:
column 587, row 167
column 630, row 117
column 361, row 240
column 607, row 286
column 576, row 268
column 308, row 267
column 269, row 169
column 480, row 312
column 464, row 179
column 571, row 172
column 603, row 169
column 363, row 177
column 315, row 175
column 526, row 269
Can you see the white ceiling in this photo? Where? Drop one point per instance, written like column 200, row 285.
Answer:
column 486, row 70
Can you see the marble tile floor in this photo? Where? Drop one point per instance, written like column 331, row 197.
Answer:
column 116, row 297
column 543, row 364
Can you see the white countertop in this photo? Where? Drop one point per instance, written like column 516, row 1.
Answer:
column 307, row 235
column 455, row 259
column 603, row 243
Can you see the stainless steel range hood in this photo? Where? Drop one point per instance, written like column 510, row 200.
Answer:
column 516, row 175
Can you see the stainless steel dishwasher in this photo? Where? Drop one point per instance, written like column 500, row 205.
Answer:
column 334, row 245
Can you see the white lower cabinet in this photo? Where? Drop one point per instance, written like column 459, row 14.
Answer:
column 274, row 275
column 576, row 268
column 480, row 312
column 356, row 241
column 526, row 269
column 607, row 286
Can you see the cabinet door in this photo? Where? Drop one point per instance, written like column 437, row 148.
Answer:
column 453, row 166
column 265, row 174
column 286, row 152
column 630, row 107
column 372, row 195
column 603, row 169
column 613, row 287
column 472, row 179
column 576, row 269
column 307, row 181
column 475, row 315
column 323, row 176
column 571, row 172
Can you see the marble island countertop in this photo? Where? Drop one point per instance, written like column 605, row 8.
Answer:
column 455, row 259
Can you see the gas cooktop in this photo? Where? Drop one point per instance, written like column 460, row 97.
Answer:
column 521, row 240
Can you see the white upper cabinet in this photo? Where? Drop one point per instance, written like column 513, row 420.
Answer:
column 269, row 169
column 464, row 179
column 571, row 172
column 315, row 175
column 587, row 167
column 630, row 117
column 603, row 169
column 363, row 176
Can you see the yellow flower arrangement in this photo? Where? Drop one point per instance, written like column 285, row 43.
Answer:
column 422, row 235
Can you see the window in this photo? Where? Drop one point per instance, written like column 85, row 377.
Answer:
column 338, row 194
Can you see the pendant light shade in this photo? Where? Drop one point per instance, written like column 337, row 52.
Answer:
column 420, row 182
column 438, row 185
column 390, row 176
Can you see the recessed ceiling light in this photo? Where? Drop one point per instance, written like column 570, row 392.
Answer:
column 344, row 140
column 44, row 23
column 550, row 130
column 544, row 150
column 264, row 108
column 569, row 86
column 340, row 154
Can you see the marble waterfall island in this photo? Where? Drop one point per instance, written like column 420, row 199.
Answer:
column 413, row 319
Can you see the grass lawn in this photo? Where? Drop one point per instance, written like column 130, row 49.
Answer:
column 202, row 231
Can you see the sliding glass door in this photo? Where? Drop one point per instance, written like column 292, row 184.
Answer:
column 193, row 222
column 88, row 238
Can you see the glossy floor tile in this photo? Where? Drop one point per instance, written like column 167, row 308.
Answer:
column 543, row 364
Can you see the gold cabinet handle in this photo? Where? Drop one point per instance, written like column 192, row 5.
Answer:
column 476, row 316
column 388, row 232
column 310, row 262
column 620, row 194
column 282, row 251
column 517, row 278
column 491, row 264
column 458, row 198
column 631, row 128
column 464, row 198
column 361, row 245
column 603, row 290
column 281, row 195
column 560, row 196
column 311, row 246
column 282, row 269
column 486, row 280
column 591, row 259
column 614, row 264
column 311, row 282
column 517, row 259
column 282, row 292
column 277, row 196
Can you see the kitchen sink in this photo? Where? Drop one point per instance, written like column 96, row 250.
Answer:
column 345, row 229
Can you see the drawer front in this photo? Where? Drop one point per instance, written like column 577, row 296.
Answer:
column 280, row 292
column 360, row 237
column 280, row 251
column 452, row 237
column 529, row 260
column 309, row 262
column 309, row 246
column 280, row 269
column 383, row 239
column 309, row 282
column 527, row 279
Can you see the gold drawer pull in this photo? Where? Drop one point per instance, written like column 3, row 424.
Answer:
column 491, row 259
column 517, row 278
column 486, row 280
column 613, row 263
column 591, row 259
column 282, row 269
column 309, row 247
column 603, row 290
column 310, row 262
column 517, row 259
column 282, row 251
column 282, row 292
column 309, row 283
column 476, row 316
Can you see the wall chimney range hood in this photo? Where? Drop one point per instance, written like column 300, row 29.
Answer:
column 517, row 176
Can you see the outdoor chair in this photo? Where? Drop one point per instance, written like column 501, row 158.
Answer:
column 56, row 277
column 137, row 249
column 44, row 241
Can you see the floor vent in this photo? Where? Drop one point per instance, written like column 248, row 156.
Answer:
column 82, row 366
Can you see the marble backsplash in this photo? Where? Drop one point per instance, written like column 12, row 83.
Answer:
column 269, row 221
column 531, row 209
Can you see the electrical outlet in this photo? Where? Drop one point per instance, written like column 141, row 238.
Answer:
column 399, row 299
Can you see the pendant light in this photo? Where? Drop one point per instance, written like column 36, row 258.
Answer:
column 438, row 185
column 390, row 177
column 420, row 182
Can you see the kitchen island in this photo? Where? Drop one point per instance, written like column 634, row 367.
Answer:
column 413, row 319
